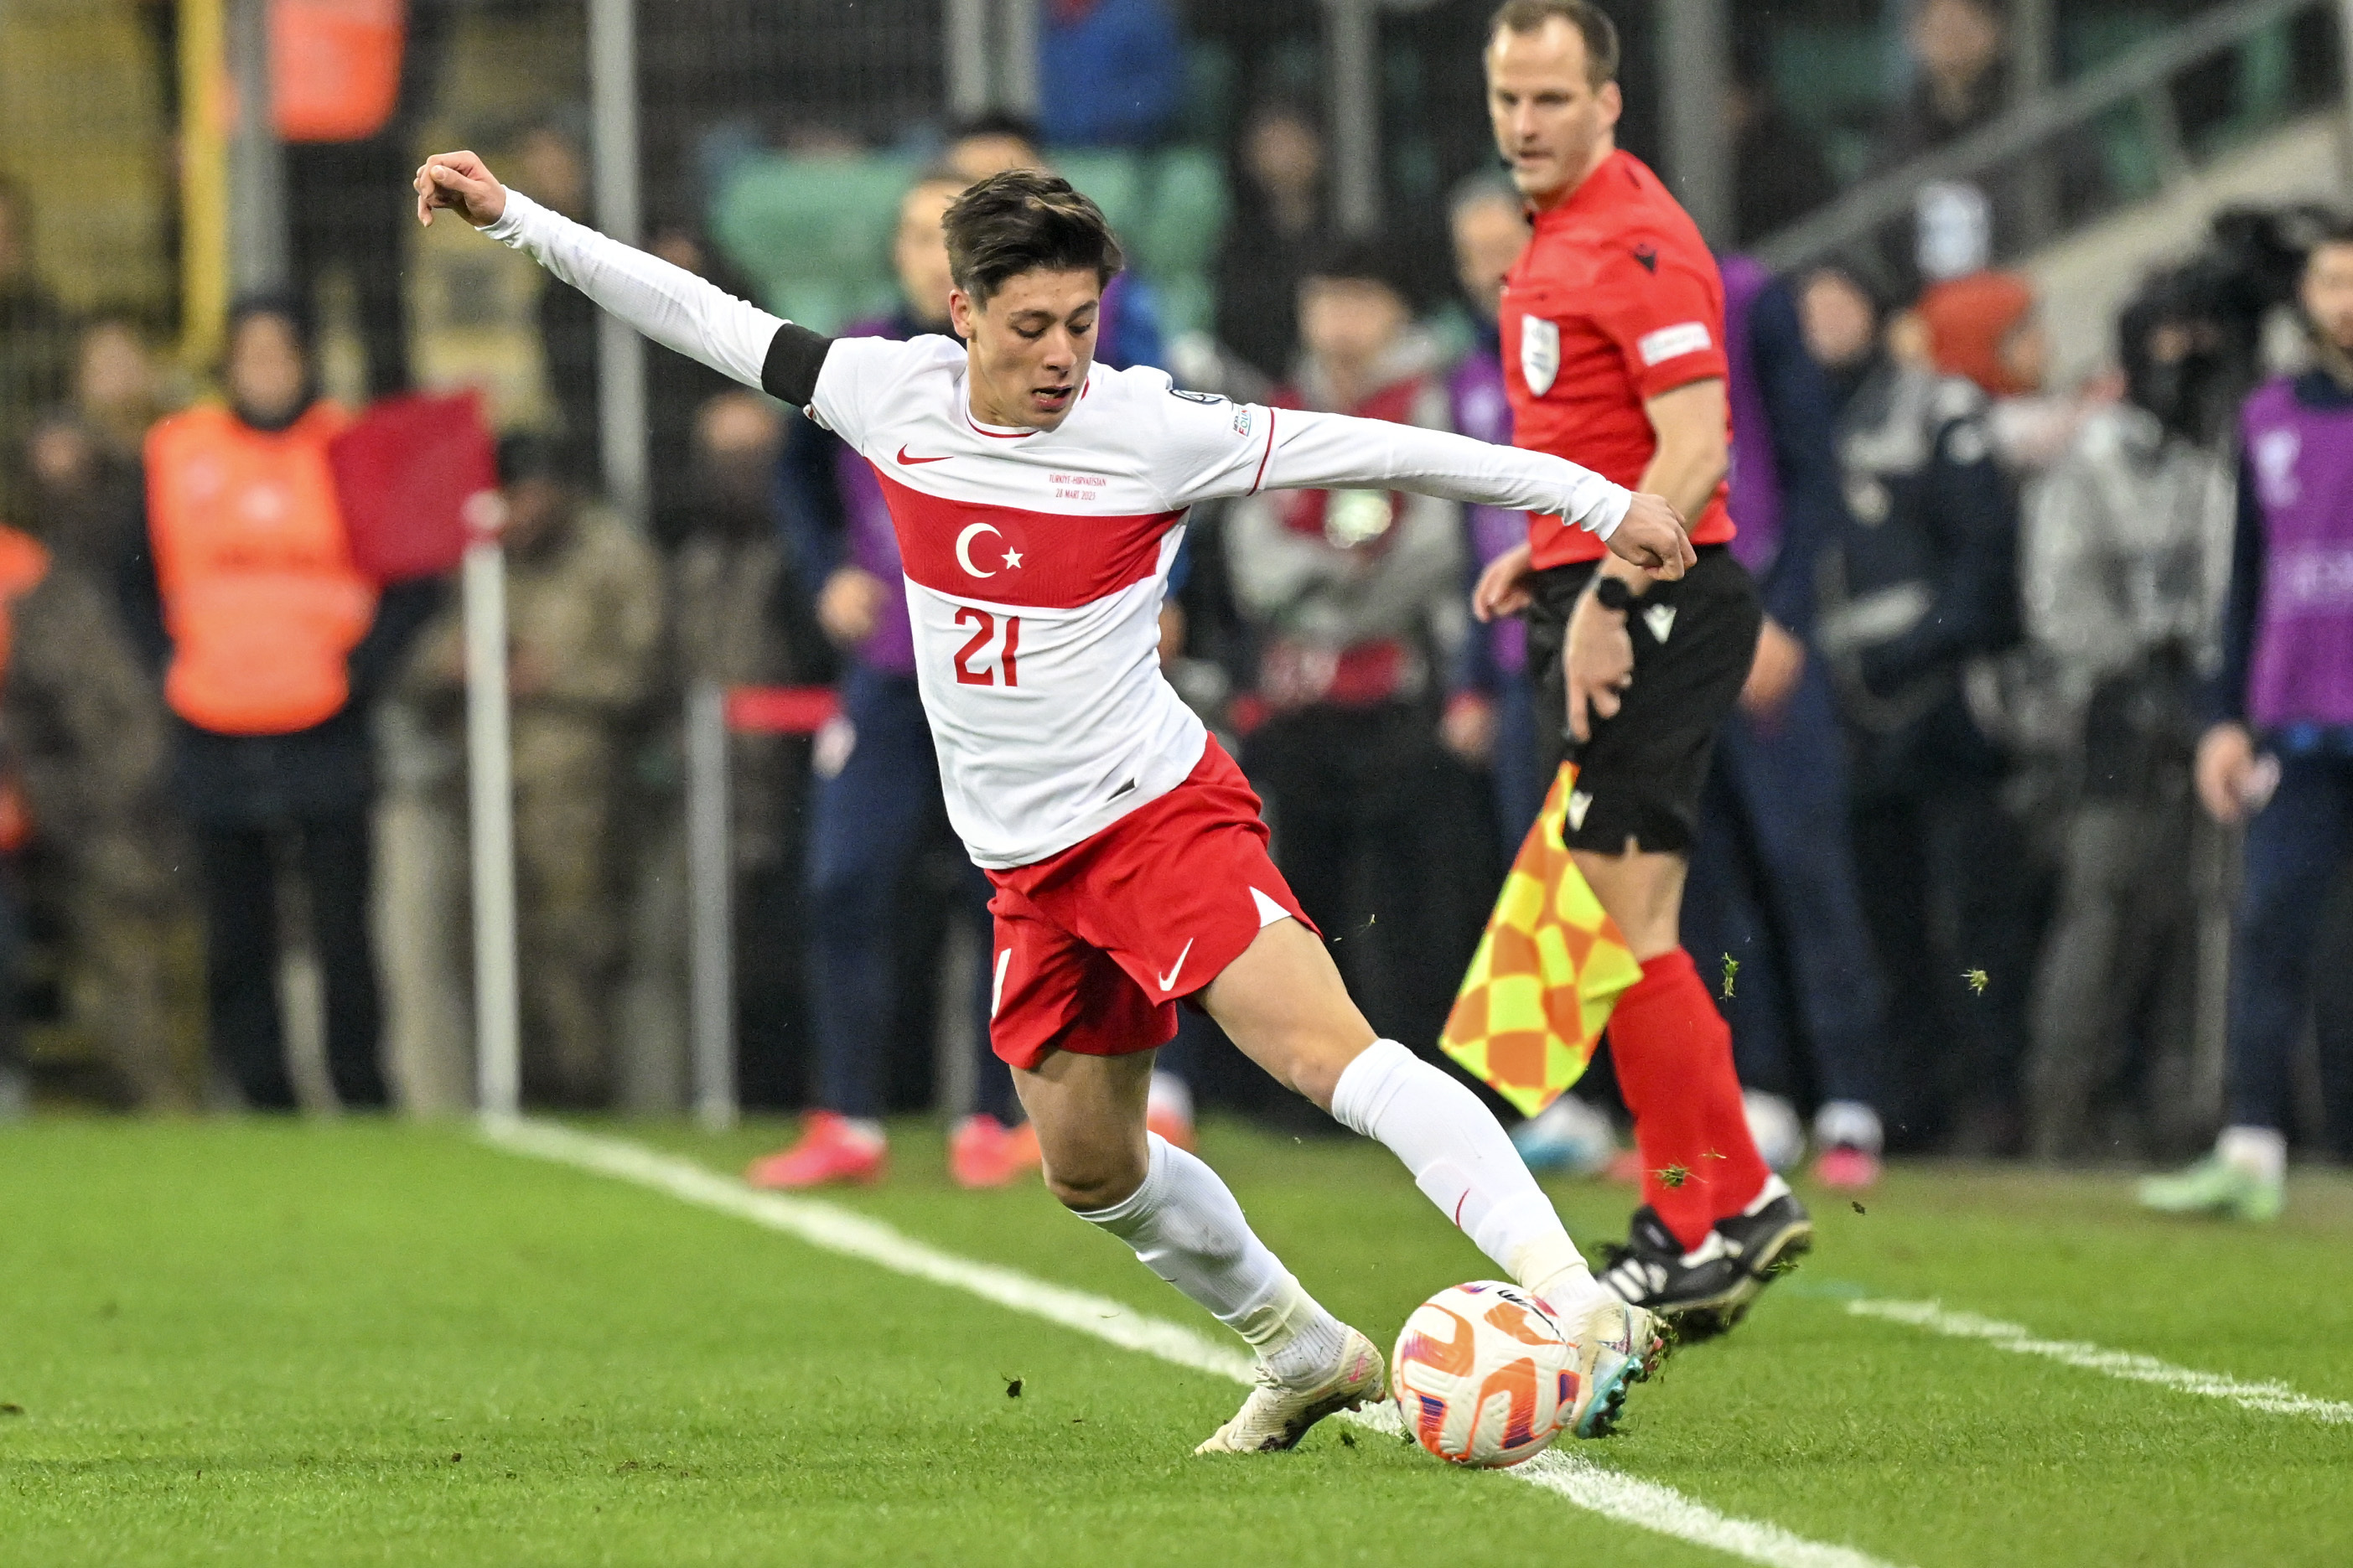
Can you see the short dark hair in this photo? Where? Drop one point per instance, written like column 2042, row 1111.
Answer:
column 1600, row 32
column 1026, row 220
column 2335, row 230
column 1364, row 259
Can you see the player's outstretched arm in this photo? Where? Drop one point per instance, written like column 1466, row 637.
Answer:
column 667, row 303
column 1321, row 452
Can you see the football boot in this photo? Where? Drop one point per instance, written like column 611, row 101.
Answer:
column 832, row 1148
column 2216, row 1186
column 1707, row 1289
column 985, row 1153
column 1277, row 1415
column 1618, row 1346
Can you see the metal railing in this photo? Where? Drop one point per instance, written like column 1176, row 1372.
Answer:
column 2142, row 77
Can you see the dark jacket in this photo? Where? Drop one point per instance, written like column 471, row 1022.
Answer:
column 1922, row 579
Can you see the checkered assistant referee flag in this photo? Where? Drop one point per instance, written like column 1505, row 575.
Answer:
column 1546, row 975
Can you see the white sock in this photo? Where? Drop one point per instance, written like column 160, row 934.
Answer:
column 1184, row 1223
column 1463, row 1163
column 2261, row 1151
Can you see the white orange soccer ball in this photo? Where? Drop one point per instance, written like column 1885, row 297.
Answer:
column 1482, row 1377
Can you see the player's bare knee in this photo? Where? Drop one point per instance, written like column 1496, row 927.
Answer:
column 1087, row 1185
column 1312, row 1059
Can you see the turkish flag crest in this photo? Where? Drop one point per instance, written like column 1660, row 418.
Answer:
column 1539, row 352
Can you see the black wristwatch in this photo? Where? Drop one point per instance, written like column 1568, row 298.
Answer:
column 1612, row 593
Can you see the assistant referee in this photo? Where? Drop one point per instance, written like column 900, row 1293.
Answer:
column 1613, row 354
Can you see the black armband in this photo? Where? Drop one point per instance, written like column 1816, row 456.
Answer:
column 794, row 356
column 1612, row 593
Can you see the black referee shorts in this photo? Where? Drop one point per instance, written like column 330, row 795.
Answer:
column 1641, row 775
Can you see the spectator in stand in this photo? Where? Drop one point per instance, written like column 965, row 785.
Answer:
column 1118, row 68
column 1127, row 325
column 2279, row 753
column 1958, row 50
column 1960, row 81
column 555, row 168
column 87, row 743
column 338, row 160
column 1277, row 219
column 22, row 565
column 1491, row 717
column 36, row 334
column 1781, row 174
column 1986, row 329
column 1357, row 598
column 116, row 394
column 2127, row 558
column 1773, row 881
column 1922, row 583
column 552, row 166
column 737, row 618
column 273, row 650
column 878, row 794
column 584, row 631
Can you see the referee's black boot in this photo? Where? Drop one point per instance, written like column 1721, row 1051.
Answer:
column 1706, row 1291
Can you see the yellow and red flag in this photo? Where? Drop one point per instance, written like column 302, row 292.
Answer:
column 1546, row 975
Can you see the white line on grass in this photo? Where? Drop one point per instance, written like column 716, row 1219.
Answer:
column 1646, row 1505
column 2276, row 1398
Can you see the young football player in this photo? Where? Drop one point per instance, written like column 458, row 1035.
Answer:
column 1038, row 500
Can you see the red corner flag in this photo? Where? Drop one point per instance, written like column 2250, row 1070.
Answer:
column 405, row 471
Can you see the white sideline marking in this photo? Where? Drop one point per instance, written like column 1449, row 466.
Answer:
column 1646, row 1505
column 2276, row 1398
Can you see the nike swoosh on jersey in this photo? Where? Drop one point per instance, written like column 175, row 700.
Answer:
column 1168, row 980
column 911, row 462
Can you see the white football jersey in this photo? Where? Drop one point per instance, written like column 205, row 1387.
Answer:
column 1037, row 560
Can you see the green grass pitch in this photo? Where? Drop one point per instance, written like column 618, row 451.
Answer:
column 381, row 1343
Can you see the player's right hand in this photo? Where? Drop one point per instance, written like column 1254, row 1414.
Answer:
column 461, row 182
column 1651, row 536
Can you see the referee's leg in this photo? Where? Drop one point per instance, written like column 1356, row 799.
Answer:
column 1631, row 829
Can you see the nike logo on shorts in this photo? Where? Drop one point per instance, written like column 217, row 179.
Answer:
column 913, row 461
column 1168, row 980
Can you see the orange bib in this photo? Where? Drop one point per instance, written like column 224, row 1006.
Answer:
column 259, row 595
column 334, row 66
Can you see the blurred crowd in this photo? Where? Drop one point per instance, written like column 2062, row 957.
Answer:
column 1972, row 859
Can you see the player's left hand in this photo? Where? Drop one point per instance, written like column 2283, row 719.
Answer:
column 1652, row 537
column 1598, row 660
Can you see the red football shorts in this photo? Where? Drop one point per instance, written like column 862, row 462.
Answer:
column 1096, row 945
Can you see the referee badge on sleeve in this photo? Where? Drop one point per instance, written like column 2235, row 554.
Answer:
column 1539, row 352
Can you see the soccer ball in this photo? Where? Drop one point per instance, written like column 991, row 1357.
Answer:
column 1482, row 1377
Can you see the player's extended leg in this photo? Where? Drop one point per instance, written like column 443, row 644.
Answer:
column 1187, row 1227
column 1284, row 1004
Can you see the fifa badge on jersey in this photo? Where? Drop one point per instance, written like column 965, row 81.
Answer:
column 1539, row 352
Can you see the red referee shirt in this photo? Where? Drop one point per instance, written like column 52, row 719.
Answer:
column 1616, row 300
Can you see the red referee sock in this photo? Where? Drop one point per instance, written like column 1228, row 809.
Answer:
column 1674, row 1055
